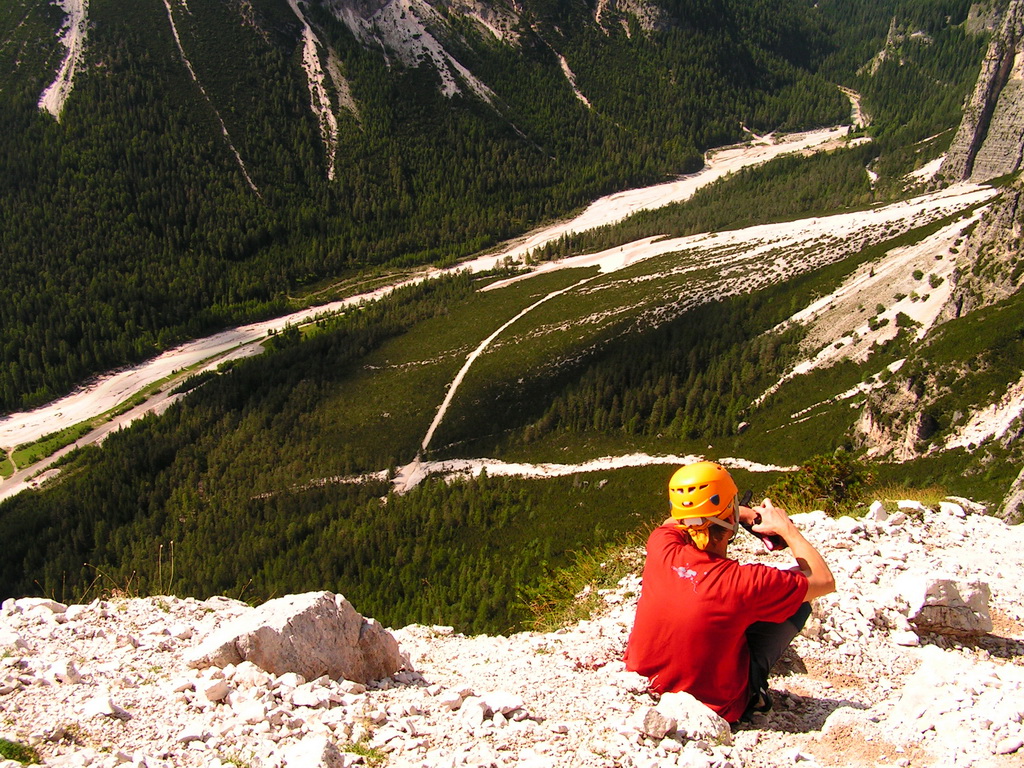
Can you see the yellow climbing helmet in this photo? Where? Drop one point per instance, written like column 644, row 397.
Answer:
column 703, row 494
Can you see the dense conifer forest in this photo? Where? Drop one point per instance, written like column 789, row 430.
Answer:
column 128, row 224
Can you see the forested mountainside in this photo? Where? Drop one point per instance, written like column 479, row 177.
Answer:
column 271, row 476
column 171, row 167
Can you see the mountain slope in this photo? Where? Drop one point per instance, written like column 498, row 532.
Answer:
column 861, row 686
column 172, row 167
column 667, row 345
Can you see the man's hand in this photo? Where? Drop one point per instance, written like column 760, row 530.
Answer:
column 769, row 519
column 774, row 520
column 747, row 515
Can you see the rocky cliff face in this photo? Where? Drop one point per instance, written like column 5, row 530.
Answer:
column 993, row 257
column 988, row 143
column 989, row 262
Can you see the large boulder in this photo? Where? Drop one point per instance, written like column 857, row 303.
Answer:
column 312, row 634
column 681, row 714
column 946, row 605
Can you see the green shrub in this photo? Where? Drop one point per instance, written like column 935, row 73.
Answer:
column 833, row 483
column 372, row 756
column 11, row 750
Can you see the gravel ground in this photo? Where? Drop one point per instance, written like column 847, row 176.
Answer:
column 106, row 684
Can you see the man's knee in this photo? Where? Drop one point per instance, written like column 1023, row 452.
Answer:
column 799, row 619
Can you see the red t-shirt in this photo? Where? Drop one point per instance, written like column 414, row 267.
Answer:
column 693, row 612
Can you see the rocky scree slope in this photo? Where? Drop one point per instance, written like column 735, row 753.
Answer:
column 915, row 660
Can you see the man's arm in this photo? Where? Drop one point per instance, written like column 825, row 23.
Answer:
column 820, row 580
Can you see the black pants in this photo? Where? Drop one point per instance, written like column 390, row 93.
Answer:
column 767, row 643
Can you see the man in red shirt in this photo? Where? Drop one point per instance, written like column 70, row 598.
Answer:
column 706, row 624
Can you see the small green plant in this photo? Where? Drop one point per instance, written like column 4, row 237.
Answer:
column 934, row 280
column 918, row 274
column 372, row 756
column 12, row 750
column 73, row 733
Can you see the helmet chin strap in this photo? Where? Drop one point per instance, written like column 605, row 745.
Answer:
column 723, row 523
column 693, row 522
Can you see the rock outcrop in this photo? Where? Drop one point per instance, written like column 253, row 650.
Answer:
column 312, row 635
column 1012, row 510
column 946, row 605
column 990, row 139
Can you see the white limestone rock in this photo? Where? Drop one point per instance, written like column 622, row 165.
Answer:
column 877, row 512
column 11, row 639
column 32, row 604
column 906, row 638
column 842, row 720
column 691, row 715
column 104, row 706
column 474, row 711
column 78, row 612
column 969, row 506
column 251, row 712
column 654, row 724
column 952, row 508
column 213, row 690
column 192, row 732
column 1009, row 745
column 314, row 752
column 249, row 675
column 310, row 696
column 65, row 671
column 849, row 526
column 502, row 701
column 946, row 605
column 450, row 700
column 312, row 634
column 351, row 687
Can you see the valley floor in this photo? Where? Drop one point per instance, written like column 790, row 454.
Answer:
column 747, row 259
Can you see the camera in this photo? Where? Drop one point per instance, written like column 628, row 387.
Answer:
column 772, row 542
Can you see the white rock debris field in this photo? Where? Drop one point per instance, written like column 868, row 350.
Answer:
column 916, row 660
